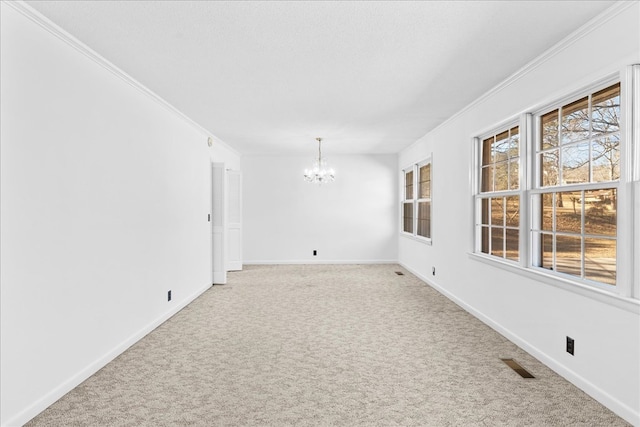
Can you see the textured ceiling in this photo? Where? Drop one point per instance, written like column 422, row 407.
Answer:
column 270, row 76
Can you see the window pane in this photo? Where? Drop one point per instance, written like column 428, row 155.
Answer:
column 514, row 177
column 408, row 217
column 487, row 149
column 568, row 255
column 485, row 211
column 600, row 216
column 497, row 211
column 501, row 147
column 502, row 176
column 569, row 211
column 497, row 241
column 513, row 211
column 547, row 251
column 487, row 178
column 575, row 163
column 600, row 260
column 605, row 114
column 514, row 142
column 549, row 168
column 547, row 211
column 424, row 191
column 485, row 240
column 575, row 121
column 512, row 244
column 408, row 185
column 424, row 219
column 549, row 131
column 605, row 153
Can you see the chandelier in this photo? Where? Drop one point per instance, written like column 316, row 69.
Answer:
column 320, row 172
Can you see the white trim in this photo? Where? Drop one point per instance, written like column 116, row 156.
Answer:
column 67, row 38
column 319, row 262
column 634, row 79
column 585, row 385
column 625, row 220
column 636, row 237
column 527, row 147
column 51, row 397
column 474, row 186
column 417, row 238
column 634, row 176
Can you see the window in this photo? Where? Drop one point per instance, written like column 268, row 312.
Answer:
column 577, row 160
column 424, row 200
column 407, row 206
column 547, row 199
column 499, row 197
column 416, row 203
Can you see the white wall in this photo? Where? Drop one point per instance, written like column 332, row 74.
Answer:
column 534, row 314
column 353, row 219
column 105, row 195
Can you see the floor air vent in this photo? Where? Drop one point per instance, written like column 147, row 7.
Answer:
column 399, row 273
column 516, row 367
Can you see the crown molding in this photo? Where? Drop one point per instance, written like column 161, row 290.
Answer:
column 51, row 27
column 592, row 25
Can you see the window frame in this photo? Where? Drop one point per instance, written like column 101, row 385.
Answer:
column 415, row 200
column 627, row 287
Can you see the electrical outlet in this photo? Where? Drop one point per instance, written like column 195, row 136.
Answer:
column 169, row 296
column 570, row 345
column 433, row 271
column 315, row 252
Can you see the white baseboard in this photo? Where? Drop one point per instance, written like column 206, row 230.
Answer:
column 55, row 394
column 615, row 405
column 320, row 261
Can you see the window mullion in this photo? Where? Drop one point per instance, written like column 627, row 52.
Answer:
column 634, row 174
column 527, row 161
column 628, row 244
column 416, row 171
column 583, row 239
column 559, row 147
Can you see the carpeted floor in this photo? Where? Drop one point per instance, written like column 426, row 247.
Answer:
column 320, row 345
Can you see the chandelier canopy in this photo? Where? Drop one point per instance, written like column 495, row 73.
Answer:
column 320, row 172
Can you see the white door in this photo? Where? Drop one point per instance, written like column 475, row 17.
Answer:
column 218, row 187
column 234, row 220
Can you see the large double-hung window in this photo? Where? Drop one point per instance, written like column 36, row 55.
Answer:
column 554, row 187
column 574, row 216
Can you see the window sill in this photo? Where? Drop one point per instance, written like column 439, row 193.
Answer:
column 420, row 239
column 629, row 304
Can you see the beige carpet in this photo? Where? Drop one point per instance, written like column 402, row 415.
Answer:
column 341, row 345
